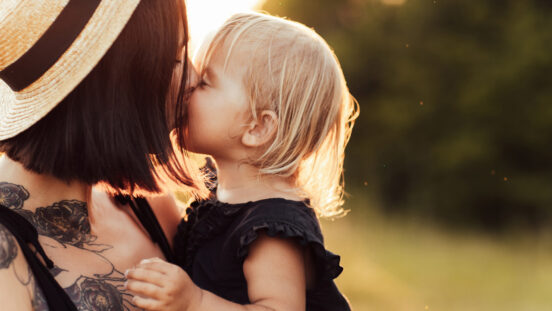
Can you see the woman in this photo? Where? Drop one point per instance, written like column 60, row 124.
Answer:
column 89, row 93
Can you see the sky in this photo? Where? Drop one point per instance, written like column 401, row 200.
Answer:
column 205, row 16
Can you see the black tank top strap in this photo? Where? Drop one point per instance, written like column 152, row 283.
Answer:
column 144, row 212
column 25, row 234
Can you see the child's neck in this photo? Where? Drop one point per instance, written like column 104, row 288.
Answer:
column 239, row 183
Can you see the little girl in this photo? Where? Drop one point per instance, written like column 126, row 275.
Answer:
column 274, row 112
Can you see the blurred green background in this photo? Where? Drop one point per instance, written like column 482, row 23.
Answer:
column 449, row 168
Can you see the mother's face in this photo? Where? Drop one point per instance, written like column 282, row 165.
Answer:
column 184, row 79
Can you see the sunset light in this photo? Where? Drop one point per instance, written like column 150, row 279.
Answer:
column 206, row 15
column 342, row 154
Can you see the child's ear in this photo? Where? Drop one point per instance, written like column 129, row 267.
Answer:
column 261, row 130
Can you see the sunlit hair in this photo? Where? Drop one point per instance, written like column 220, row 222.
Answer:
column 115, row 127
column 293, row 72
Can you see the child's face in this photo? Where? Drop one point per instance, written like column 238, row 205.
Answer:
column 218, row 109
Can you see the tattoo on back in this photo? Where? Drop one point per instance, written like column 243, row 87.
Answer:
column 67, row 223
column 8, row 248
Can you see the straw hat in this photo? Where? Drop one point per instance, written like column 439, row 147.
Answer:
column 47, row 47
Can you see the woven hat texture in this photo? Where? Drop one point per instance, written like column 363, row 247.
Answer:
column 22, row 24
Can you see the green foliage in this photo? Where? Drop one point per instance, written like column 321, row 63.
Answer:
column 456, row 104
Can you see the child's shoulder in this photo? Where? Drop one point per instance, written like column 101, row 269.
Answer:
column 293, row 213
column 237, row 226
column 242, row 222
column 280, row 218
column 287, row 219
column 271, row 214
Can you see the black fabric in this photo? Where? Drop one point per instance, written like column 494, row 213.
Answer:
column 51, row 46
column 213, row 242
column 25, row 234
column 144, row 212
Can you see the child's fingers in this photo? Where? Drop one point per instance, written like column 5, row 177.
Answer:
column 156, row 264
column 146, row 276
column 152, row 259
column 143, row 289
column 146, row 303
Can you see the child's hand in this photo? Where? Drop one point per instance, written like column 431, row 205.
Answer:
column 159, row 285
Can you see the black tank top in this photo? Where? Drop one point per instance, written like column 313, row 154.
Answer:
column 26, row 234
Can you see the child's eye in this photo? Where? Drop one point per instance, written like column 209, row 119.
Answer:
column 202, row 83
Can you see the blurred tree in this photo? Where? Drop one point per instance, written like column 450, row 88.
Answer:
column 456, row 104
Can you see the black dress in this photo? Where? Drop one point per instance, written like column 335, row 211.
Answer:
column 212, row 244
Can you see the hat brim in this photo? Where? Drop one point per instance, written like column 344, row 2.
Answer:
column 20, row 110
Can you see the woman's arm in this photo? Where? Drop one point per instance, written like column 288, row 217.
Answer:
column 274, row 270
column 15, row 276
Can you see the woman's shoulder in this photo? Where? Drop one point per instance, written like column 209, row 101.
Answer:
column 163, row 206
column 14, row 289
column 167, row 212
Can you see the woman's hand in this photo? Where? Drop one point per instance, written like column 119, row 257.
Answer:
column 158, row 285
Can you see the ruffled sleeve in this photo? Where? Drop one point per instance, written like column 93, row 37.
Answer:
column 289, row 220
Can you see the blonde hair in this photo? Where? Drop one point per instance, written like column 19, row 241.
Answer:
column 293, row 72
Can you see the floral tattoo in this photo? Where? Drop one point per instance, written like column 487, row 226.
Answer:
column 67, row 223
column 8, row 248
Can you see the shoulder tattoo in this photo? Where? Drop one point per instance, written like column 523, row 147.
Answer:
column 8, row 248
column 67, row 222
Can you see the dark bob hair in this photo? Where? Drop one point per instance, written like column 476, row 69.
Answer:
column 115, row 126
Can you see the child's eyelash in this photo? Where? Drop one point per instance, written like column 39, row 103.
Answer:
column 202, row 83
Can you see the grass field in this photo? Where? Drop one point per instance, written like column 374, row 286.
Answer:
column 400, row 264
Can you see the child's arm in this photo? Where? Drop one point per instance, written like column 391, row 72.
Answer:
column 274, row 270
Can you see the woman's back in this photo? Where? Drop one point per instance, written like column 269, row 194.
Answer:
column 91, row 244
